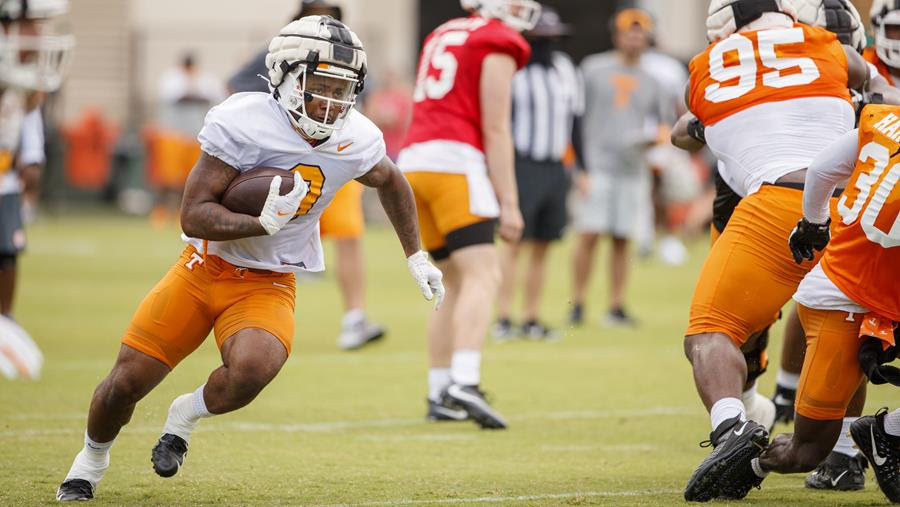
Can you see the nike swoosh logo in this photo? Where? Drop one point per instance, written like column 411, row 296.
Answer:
column 281, row 214
column 838, row 478
column 342, row 147
column 879, row 460
column 740, row 431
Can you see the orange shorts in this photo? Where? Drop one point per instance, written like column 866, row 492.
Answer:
column 831, row 372
column 196, row 297
column 174, row 156
column 442, row 202
column 343, row 218
column 749, row 273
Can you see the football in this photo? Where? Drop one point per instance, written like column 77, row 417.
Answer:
column 247, row 193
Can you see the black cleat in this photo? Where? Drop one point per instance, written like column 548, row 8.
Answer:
column 784, row 404
column 839, row 472
column 534, row 330
column 882, row 451
column 618, row 318
column 168, row 455
column 75, row 490
column 440, row 412
column 576, row 318
column 728, row 471
column 472, row 400
column 503, row 330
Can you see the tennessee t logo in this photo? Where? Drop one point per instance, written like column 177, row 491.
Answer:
column 195, row 259
column 624, row 85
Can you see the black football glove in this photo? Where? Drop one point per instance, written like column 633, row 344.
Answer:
column 808, row 237
column 873, row 359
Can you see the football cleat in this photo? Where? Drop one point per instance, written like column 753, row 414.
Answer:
column 881, row 449
column 839, row 472
column 472, row 400
column 730, row 470
column 75, row 490
column 440, row 412
column 359, row 334
column 784, row 404
column 534, row 330
column 503, row 330
column 576, row 317
column 168, row 455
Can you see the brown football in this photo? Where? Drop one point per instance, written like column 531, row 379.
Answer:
column 248, row 191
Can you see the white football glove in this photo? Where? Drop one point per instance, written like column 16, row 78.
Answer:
column 280, row 209
column 427, row 276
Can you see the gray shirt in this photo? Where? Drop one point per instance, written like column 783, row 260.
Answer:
column 624, row 107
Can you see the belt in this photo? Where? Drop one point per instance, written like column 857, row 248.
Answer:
column 796, row 185
column 254, row 270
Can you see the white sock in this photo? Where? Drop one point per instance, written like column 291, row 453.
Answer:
column 725, row 409
column 438, row 380
column 91, row 462
column 184, row 413
column 465, row 368
column 892, row 423
column 787, row 379
column 748, row 397
column 844, row 443
column 353, row 317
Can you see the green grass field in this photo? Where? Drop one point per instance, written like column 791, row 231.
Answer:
column 599, row 417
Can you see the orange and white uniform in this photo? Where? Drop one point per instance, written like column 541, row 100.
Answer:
column 770, row 99
column 875, row 63
column 227, row 286
column 854, row 289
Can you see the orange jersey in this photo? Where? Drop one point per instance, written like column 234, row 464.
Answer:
column 872, row 57
column 863, row 257
column 752, row 68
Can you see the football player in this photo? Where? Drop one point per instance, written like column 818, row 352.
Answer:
column 32, row 61
column 849, row 301
column 236, row 275
column 885, row 53
column 458, row 158
column 769, row 92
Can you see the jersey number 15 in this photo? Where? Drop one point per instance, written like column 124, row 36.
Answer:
column 435, row 55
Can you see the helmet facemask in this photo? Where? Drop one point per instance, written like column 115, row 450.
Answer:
column 318, row 97
column 888, row 48
column 32, row 60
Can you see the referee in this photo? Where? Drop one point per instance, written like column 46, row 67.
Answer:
column 547, row 97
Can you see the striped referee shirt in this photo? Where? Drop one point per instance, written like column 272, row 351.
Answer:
column 546, row 100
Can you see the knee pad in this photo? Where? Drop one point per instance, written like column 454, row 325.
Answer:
column 756, row 358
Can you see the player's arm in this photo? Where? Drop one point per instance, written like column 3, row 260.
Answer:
column 202, row 215
column 831, row 166
column 889, row 95
column 397, row 199
column 857, row 70
column 495, row 91
column 688, row 133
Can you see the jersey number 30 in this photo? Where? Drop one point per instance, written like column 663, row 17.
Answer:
column 435, row 55
column 786, row 71
column 872, row 224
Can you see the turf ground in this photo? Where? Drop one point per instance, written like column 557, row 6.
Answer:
column 599, row 417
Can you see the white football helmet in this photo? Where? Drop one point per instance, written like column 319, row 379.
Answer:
column 316, row 58
column 20, row 357
column 837, row 16
column 30, row 59
column 519, row 15
column 885, row 13
column 726, row 17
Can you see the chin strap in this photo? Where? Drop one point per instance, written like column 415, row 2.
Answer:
column 748, row 11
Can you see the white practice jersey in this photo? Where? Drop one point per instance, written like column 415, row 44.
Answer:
column 12, row 115
column 250, row 130
column 763, row 143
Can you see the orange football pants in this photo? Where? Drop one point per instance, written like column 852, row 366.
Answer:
column 200, row 295
column 831, row 373
column 749, row 273
column 343, row 218
column 442, row 203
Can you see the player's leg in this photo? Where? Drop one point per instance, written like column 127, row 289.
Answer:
column 534, row 287
column 618, row 279
column 744, row 282
column 630, row 199
column 441, row 330
column 509, row 253
column 759, row 408
column 168, row 325
column 831, row 375
column 8, row 276
column 582, row 268
column 254, row 329
column 788, row 376
column 12, row 241
column 343, row 221
column 844, row 467
column 878, row 437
